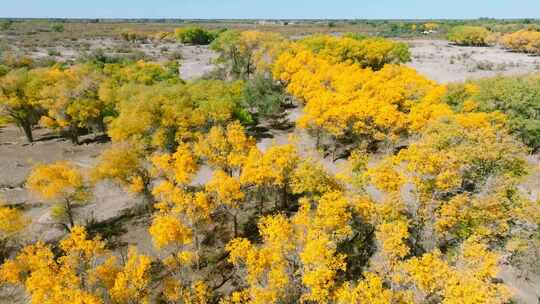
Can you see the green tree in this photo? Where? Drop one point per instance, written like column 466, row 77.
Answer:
column 195, row 35
column 469, row 35
column 517, row 97
column 263, row 97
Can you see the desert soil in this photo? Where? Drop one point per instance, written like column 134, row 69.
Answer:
column 443, row 62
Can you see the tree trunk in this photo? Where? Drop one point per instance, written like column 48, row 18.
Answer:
column 235, row 225
column 148, row 197
column 284, row 197
column 318, row 136
column 27, row 128
column 260, row 198
column 102, row 127
column 69, row 213
column 74, row 134
column 197, row 250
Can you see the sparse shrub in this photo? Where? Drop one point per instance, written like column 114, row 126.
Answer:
column 5, row 25
column 57, row 27
column 124, row 48
column 44, row 62
column 53, row 52
column 163, row 36
column 485, row 65
column 97, row 57
column 85, row 46
column 355, row 36
column 136, row 56
column 16, row 61
column 3, row 70
column 132, row 36
column 176, row 55
column 469, row 36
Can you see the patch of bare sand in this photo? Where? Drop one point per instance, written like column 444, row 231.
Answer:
column 197, row 61
column 443, row 62
column 17, row 158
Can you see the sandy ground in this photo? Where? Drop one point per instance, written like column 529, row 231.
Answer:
column 443, row 62
column 436, row 59
column 197, row 61
column 16, row 161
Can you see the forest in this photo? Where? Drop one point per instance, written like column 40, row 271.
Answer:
column 383, row 186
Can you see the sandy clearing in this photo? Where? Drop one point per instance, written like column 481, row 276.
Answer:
column 442, row 62
column 197, row 61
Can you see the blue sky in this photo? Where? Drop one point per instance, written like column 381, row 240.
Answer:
column 290, row 9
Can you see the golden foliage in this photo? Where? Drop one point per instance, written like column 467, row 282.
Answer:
column 12, row 222
column 133, row 282
column 341, row 98
column 20, row 100
column 227, row 189
column 470, row 35
column 371, row 53
column 526, row 41
column 166, row 230
column 125, row 165
column 48, row 279
column 57, row 181
column 267, row 267
column 426, row 223
column 310, row 178
column 371, row 289
column 272, row 168
column 470, row 281
column 225, row 149
column 179, row 167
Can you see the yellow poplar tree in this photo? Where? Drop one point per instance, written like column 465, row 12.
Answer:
column 12, row 223
column 126, row 165
column 60, row 183
column 19, row 99
column 226, row 190
column 72, row 100
column 225, row 148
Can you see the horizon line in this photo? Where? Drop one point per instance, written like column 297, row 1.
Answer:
column 276, row 19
